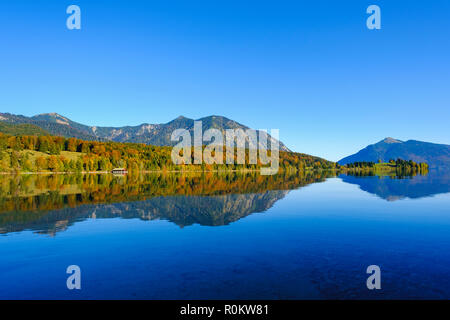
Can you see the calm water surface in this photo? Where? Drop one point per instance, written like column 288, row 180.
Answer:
column 230, row 237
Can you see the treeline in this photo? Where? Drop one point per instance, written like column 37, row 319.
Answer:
column 409, row 166
column 59, row 154
column 361, row 164
column 398, row 167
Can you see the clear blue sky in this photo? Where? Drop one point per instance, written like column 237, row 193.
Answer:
column 309, row 68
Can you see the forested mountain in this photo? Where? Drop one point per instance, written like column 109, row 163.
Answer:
column 435, row 155
column 59, row 125
column 152, row 134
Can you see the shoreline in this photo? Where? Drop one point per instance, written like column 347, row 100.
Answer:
column 151, row 171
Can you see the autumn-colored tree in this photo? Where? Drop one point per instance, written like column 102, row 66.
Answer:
column 72, row 144
column 53, row 163
column 41, row 163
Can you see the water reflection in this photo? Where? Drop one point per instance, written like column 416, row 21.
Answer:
column 316, row 243
column 52, row 203
column 392, row 188
column 48, row 204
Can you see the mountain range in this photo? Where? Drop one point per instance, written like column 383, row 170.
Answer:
column 436, row 155
column 152, row 134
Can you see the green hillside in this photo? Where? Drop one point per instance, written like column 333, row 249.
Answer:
column 21, row 129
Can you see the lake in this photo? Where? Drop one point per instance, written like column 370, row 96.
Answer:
column 225, row 236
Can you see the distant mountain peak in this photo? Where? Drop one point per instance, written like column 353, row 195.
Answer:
column 436, row 155
column 54, row 116
column 51, row 114
column 391, row 140
column 214, row 116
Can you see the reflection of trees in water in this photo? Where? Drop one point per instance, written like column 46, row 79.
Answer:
column 51, row 203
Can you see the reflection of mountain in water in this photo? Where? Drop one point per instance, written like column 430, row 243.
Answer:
column 52, row 203
column 394, row 188
column 182, row 210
